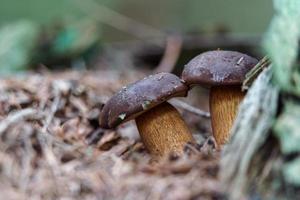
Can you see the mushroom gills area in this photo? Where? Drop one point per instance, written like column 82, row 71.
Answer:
column 163, row 131
column 224, row 104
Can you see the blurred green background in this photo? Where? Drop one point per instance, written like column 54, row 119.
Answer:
column 184, row 15
column 57, row 32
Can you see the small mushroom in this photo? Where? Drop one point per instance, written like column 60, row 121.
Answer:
column 223, row 72
column 160, row 125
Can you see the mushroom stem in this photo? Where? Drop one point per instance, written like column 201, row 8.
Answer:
column 163, row 131
column 224, row 103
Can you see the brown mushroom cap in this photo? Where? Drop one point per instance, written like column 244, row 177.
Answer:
column 218, row 68
column 136, row 98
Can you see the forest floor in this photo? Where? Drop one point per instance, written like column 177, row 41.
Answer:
column 51, row 146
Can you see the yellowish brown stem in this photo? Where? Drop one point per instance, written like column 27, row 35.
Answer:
column 163, row 131
column 224, row 103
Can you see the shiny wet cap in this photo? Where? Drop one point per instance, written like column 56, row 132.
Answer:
column 218, row 67
column 138, row 97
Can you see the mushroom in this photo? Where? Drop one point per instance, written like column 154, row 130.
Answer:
column 162, row 129
column 223, row 72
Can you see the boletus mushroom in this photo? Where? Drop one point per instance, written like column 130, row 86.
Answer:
column 162, row 129
column 223, row 72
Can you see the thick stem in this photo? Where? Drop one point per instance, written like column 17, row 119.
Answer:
column 163, row 131
column 224, row 102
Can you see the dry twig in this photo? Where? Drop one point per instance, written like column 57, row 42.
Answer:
column 189, row 108
column 18, row 117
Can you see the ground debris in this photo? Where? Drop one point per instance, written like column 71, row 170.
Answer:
column 51, row 146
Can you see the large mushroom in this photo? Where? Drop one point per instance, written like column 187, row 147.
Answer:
column 161, row 127
column 223, row 72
